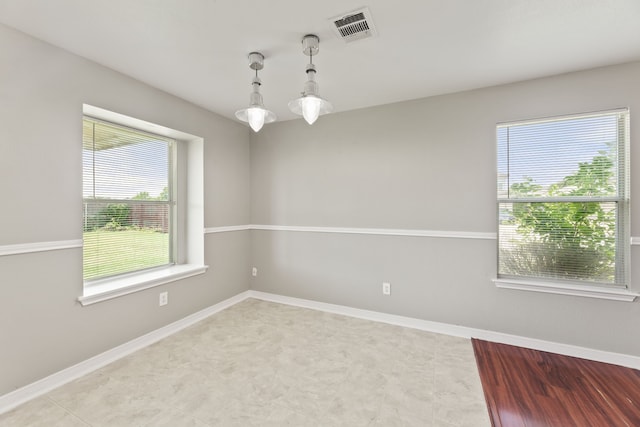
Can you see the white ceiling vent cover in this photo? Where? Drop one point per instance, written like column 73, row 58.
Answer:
column 356, row 25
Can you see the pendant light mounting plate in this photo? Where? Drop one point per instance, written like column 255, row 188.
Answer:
column 310, row 44
column 256, row 61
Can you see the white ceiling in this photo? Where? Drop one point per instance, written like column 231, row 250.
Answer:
column 197, row 49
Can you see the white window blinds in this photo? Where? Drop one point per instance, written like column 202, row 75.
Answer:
column 562, row 198
column 128, row 203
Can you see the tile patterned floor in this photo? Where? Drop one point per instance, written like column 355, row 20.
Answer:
column 264, row 364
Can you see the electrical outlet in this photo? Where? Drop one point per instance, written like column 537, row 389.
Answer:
column 164, row 298
column 386, row 288
column 254, row 271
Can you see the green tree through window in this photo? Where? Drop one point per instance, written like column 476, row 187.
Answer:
column 558, row 235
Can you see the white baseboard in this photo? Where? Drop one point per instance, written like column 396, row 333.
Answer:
column 45, row 385
column 458, row 331
column 40, row 387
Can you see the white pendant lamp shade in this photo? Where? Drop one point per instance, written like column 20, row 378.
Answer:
column 310, row 105
column 256, row 114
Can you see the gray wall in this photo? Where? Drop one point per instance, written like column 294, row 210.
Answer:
column 43, row 329
column 425, row 164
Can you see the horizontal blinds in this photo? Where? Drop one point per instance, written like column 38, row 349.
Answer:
column 120, row 163
column 561, row 198
column 566, row 157
column 568, row 241
column 127, row 200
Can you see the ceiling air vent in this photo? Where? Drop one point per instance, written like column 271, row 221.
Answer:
column 356, row 25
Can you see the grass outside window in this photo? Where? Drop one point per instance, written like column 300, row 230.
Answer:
column 109, row 253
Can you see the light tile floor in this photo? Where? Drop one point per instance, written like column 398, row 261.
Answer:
column 264, row 364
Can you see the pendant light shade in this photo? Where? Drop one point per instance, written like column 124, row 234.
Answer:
column 256, row 114
column 310, row 105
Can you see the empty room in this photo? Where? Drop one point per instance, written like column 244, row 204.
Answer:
column 319, row 213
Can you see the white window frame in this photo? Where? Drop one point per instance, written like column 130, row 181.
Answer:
column 188, row 216
column 603, row 291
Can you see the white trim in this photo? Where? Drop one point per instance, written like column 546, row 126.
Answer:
column 547, row 119
column 379, row 231
column 26, row 248
column 615, row 294
column 136, row 124
column 40, row 387
column 409, row 322
column 113, row 288
column 563, row 199
column 226, row 229
column 351, row 230
column 456, row 330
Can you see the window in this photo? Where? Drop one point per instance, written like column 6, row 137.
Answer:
column 143, row 191
column 563, row 207
column 128, row 219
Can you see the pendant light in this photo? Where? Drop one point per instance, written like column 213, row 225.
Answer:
column 255, row 114
column 310, row 105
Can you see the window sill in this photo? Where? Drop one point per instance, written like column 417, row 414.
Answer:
column 601, row 292
column 115, row 288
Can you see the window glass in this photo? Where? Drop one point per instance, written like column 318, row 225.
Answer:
column 128, row 203
column 562, row 199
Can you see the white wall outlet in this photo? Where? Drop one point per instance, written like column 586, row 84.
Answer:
column 164, row 298
column 386, row 288
column 254, row 271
